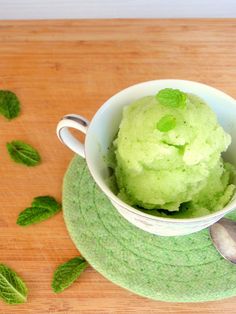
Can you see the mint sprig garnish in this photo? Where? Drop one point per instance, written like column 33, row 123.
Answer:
column 23, row 153
column 12, row 288
column 42, row 208
column 172, row 98
column 67, row 273
column 9, row 104
column 166, row 123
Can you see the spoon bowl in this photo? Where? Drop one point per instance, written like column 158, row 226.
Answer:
column 223, row 235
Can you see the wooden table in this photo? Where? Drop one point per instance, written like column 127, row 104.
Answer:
column 59, row 67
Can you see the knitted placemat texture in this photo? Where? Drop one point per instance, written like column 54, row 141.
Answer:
column 174, row 269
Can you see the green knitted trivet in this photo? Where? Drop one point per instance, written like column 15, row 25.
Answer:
column 177, row 269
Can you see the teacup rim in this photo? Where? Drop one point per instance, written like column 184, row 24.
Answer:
column 220, row 213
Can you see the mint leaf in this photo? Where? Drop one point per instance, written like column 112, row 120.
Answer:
column 9, row 104
column 32, row 215
column 166, row 123
column 67, row 273
column 23, row 153
column 47, row 202
column 12, row 289
column 172, row 98
column 42, row 208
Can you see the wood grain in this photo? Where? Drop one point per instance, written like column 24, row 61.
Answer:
column 59, row 67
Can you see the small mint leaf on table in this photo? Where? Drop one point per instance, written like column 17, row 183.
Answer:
column 9, row 104
column 166, row 123
column 172, row 97
column 42, row 208
column 12, row 288
column 65, row 274
column 47, row 201
column 23, row 153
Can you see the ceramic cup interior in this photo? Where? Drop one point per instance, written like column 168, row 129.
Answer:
column 101, row 131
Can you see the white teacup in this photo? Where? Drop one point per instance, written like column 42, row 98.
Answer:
column 101, row 131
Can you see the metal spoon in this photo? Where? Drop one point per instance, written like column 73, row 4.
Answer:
column 223, row 235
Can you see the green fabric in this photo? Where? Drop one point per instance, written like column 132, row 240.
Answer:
column 176, row 269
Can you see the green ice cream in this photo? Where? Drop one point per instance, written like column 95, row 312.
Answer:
column 168, row 156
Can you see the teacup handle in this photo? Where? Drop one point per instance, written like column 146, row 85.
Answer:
column 76, row 122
